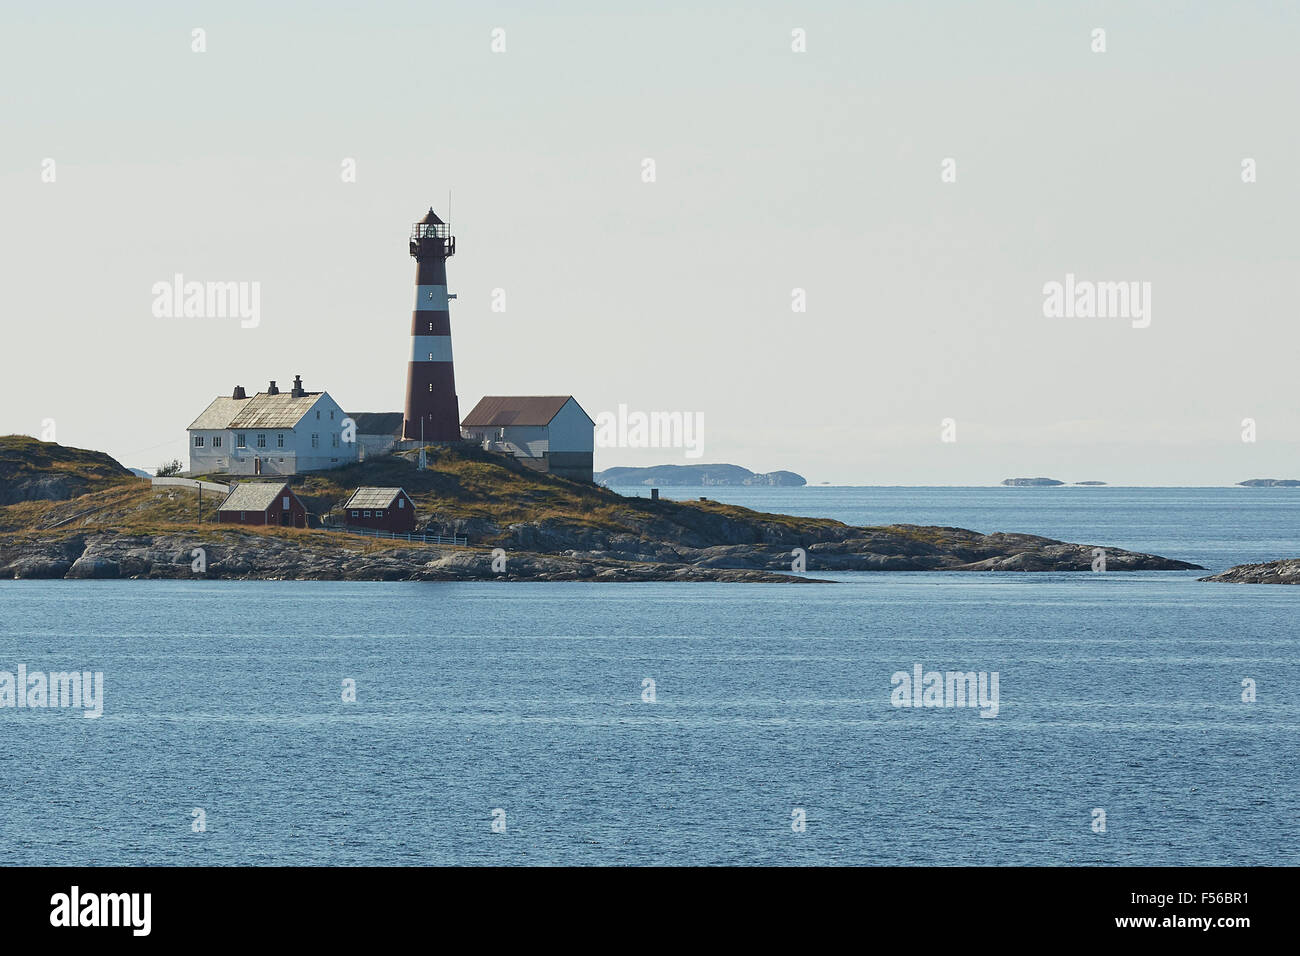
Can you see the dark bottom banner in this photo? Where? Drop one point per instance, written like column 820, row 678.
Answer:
column 962, row 906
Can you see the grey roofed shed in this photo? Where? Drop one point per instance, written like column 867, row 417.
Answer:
column 254, row 496
column 372, row 498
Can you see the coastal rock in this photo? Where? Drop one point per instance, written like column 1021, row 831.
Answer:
column 1285, row 571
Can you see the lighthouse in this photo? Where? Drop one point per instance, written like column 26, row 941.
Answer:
column 432, row 412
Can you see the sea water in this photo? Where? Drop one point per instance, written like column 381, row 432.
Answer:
column 521, row 723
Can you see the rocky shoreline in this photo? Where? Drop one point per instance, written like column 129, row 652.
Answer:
column 1286, row 571
column 537, row 554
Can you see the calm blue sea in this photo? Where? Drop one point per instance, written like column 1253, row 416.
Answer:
column 1118, row 692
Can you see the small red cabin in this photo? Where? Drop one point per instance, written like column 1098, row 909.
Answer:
column 385, row 509
column 263, row 502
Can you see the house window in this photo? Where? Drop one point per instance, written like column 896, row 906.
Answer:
column 379, row 514
column 334, row 441
column 430, row 326
column 240, row 440
column 354, row 514
column 431, row 386
column 331, row 414
column 365, row 514
column 401, row 502
column 318, row 414
column 430, row 356
column 243, row 515
column 216, row 441
column 286, row 504
column 279, row 441
column 315, row 440
column 198, row 441
column 261, row 441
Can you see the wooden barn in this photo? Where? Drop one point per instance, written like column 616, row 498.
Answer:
column 265, row 503
column 384, row 509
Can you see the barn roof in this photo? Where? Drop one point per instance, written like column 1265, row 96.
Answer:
column 378, row 423
column 496, row 411
column 253, row 496
column 373, row 498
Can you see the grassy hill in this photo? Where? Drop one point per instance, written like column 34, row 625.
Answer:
column 34, row 470
column 488, row 497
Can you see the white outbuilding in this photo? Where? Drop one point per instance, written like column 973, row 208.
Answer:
column 550, row 433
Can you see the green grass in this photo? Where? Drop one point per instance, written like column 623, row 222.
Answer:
column 461, row 483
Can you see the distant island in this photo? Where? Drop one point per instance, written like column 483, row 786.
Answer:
column 697, row 475
column 1095, row 483
column 1035, row 482
column 1270, row 483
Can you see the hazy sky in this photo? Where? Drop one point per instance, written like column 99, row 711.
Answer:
column 774, row 170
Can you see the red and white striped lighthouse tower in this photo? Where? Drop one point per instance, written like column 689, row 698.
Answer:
column 432, row 412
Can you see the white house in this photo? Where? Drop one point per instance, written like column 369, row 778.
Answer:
column 272, row 433
column 550, row 433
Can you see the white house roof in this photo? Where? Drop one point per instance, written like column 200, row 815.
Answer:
column 496, row 411
column 274, row 411
column 263, row 410
column 373, row 498
column 220, row 413
column 254, row 496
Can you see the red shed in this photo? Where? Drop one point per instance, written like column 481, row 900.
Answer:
column 263, row 502
column 387, row 509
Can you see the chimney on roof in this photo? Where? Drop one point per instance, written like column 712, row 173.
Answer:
column 272, row 390
column 239, row 392
column 297, row 387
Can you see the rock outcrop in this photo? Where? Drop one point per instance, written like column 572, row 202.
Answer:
column 1286, row 571
column 538, row 554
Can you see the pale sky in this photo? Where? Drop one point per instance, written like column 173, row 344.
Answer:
column 774, row 170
